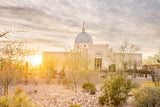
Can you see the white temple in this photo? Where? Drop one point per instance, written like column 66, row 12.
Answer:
column 101, row 56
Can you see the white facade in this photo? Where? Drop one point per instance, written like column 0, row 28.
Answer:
column 104, row 55
column 101, row 56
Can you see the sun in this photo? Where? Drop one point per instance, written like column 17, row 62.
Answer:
column 36, row 59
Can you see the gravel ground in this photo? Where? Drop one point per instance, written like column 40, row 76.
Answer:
column 54, row 95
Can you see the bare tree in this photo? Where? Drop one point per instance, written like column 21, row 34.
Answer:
column 7, row 32
column 123, row 49
column 126, row 55
column 2, row 34
column 157, row 57
column 49, row 67
column 11, row 57
column 76, row 66
column 150, row 60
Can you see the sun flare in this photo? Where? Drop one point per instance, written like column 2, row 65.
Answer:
column 36, row 59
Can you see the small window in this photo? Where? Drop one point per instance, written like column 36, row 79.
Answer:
column 135, row 66
column 125, row 66
column 84, row 45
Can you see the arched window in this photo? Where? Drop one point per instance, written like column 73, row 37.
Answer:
column 98, row 55
column 98, row 61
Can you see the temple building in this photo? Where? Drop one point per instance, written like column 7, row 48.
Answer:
column 100, row 56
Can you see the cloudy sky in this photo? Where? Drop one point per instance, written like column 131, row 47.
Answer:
column 52, row 25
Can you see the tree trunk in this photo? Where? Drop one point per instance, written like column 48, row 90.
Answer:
column 109, row 96
column 6, row 84
column 6, row 89
column 88, row 79
column 26, row 73
column 145, row 75
column 26, row 80
column 75, row 86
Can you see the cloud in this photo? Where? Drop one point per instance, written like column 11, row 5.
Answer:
column 58, row 22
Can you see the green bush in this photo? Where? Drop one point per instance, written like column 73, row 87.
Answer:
column 89, row 87
column 138, row 71
column 115, row 89
column 147, row 96
column 19, row 99
column 74, row 105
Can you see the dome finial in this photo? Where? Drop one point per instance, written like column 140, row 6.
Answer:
column 83, row 28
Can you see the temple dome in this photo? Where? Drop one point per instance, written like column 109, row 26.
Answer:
column 83, row 37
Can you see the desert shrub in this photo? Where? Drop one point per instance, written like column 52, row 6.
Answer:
column 88, row 87
column 62, row 73
column 147, row 96
column 48, row 80
column 151, row 83
column 74, row 105
column 65, row 81
column 112, row 68
column 92, row 92
column 19, row 99
column 115, row 89
column 135, row 85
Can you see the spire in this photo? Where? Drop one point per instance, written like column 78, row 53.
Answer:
column 83, row 28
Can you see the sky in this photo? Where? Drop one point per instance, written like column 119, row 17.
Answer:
column 52, row 25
